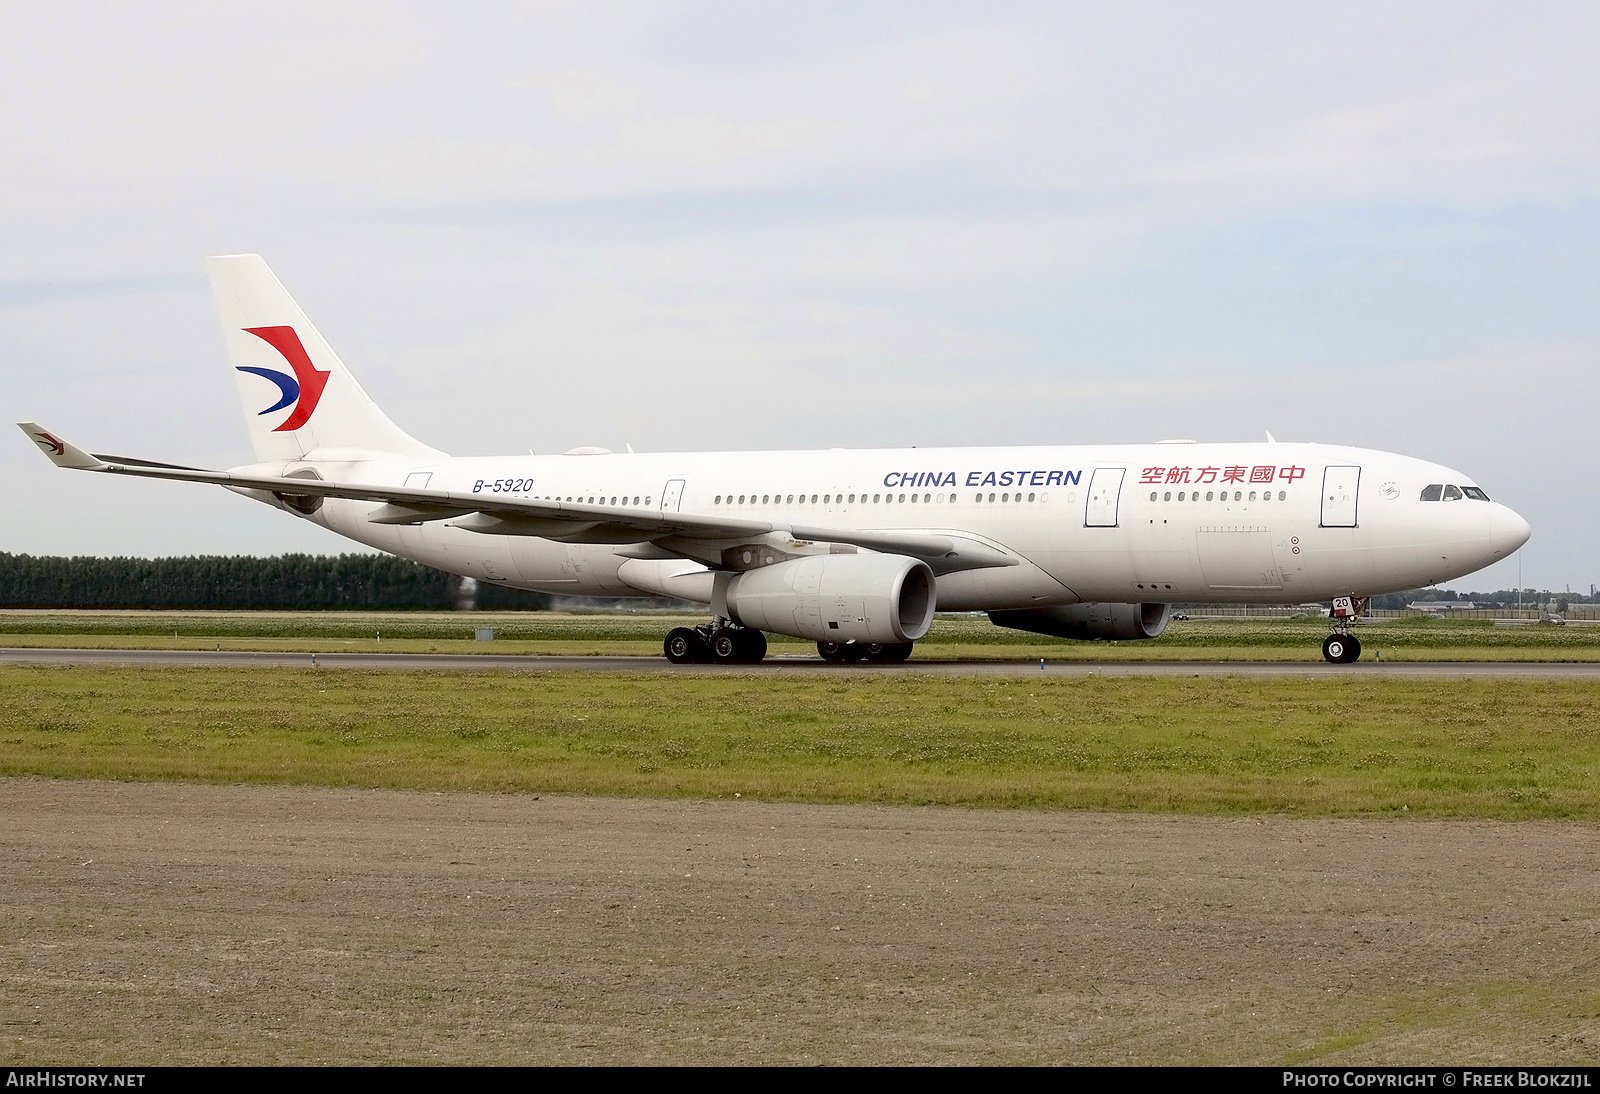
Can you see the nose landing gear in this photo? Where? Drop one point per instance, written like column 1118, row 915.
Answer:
column 1341, row 647
column 719, row 641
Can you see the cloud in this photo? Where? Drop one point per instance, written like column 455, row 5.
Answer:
column 834, row 224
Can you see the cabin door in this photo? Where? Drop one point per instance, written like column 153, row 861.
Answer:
column 1339, row 496
column 1105, row 490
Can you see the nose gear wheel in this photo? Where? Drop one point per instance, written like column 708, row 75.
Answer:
column 1341, row 649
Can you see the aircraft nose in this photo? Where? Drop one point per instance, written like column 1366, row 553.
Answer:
column 1507, row 530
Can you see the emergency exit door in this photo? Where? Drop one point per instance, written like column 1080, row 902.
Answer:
column 1105, row 490
column 1339, row 496
column 672, row 495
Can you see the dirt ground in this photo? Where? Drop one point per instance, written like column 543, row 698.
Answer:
column 175, row 923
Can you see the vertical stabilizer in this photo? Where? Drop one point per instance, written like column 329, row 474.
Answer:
column 296, row 393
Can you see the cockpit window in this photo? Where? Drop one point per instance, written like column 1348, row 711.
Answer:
column 1451, row 493
column 1474, row 493
column 1431, row 491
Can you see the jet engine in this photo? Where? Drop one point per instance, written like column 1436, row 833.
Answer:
column 1112, row 622
column 835, row 598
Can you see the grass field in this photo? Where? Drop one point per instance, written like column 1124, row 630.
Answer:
column 1502, row 749
column 952, row 637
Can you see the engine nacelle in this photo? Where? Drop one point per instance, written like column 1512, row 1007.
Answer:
column 836, row 598
column 1112, row 622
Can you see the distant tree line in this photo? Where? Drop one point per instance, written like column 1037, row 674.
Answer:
column 1500, row 598
column 303, row 582
column 312, row 582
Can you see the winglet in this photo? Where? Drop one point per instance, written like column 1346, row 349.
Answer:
column 62, row 453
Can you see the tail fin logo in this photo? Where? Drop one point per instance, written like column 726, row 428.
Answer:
column 304, row 388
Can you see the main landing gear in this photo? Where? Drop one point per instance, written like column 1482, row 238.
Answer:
column 723, row 643
column 882, row 652
column 1341, row 647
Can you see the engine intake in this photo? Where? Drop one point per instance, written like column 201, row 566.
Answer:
column 1111, row 622
column 835, row 598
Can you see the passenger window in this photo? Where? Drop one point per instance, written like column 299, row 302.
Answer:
column 1167, row 496
column 1030, row 497
column 1152, row 495
column 991, row 497
column 1208, row 495
column 1180, row 495
column 1252, row 495
column 813, row 499
column 1452, row 494
column 1431, row 491
column 902, row 498
column 874, row 498
column 1282, row 495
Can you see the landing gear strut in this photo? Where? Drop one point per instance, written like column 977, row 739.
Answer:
column 1341, row 647
column 720, row 641
column 881, row 652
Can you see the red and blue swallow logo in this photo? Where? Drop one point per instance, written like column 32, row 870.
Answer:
column 304, row 388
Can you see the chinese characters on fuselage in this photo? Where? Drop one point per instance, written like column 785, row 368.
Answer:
column 1199, row 476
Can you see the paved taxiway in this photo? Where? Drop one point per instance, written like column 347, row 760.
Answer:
column 456, row 662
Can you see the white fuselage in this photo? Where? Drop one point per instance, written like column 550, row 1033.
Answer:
column 1258, row 523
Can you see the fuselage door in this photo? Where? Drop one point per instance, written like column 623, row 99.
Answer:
column 1105, row 489
column 1339, row 496
column 672, row 496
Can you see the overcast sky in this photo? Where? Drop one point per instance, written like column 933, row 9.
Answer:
column 703, row 226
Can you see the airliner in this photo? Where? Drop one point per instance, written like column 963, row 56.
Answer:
column 854, row 549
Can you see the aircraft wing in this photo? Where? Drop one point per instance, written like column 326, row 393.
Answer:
column 558, row 520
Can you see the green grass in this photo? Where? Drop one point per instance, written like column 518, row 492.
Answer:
column 952, row 637
column 1507, row 749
